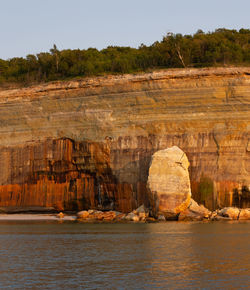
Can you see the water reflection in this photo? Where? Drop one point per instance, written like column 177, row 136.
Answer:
column 124, row 256
column 195, row 255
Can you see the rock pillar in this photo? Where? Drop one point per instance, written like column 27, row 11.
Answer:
column 168, row 182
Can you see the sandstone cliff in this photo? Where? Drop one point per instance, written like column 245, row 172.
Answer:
column 88, row 143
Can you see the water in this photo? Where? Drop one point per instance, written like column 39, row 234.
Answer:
column 40, row 255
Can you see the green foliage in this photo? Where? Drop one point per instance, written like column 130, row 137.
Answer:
column 221, row 47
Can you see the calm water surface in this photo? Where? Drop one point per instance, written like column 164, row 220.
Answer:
column 40, row 255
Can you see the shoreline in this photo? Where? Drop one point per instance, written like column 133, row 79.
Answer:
column 73, row 218
column 35, row 217
column 194, row 212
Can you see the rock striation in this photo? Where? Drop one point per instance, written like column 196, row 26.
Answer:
column 168, row 182
column 88, row 143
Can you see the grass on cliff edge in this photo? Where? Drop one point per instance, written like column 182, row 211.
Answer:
column 223, row 47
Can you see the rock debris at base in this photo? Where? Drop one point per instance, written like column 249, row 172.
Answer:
column 194, row 212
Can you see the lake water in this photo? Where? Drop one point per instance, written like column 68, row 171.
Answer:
column 50, row 255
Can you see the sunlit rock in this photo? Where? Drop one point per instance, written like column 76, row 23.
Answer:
column 87, row 143
column 229, row 212
column 244, row 214
column 132, row 217
column 168, row 182
column 194, row 212
column 83, row 214
column 60, row 215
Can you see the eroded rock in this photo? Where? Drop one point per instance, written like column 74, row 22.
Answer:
column 139, row 214
column 82, row 214
column 168, row 182
column 132, row 217
column 142, row 212
column 46, row 164
column 97, row 215
column 60, row 215
column 194, row 212
column 221, row 218
column 161, row 218
column 141, row 209
column 229, row 212
column 244, row 214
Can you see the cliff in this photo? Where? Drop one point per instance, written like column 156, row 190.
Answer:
column 88, row 142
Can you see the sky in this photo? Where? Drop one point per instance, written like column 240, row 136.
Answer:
column 33, row 26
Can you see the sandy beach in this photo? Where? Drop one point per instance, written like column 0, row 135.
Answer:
column 35, row 217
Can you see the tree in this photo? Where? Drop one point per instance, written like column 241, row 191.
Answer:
column 56, row 53
column 221, row 47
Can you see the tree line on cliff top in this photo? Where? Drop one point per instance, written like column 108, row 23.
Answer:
column 219, row 48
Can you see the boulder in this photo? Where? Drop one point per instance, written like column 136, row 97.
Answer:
column 142, row 216
column 161, row 218
column 120, row 217
column 199, row 209
column 244, row 214
column 229, row 212
column 141, row 209
column 214, row 215
column 117, row 213
column 168, row 182
column 109, row 215
column 221, row 218
column 188, row 215
column 60, row 215
column 136, row 218
column 151, row 220
column 82, row 214
column 132, row 217
column 141, row 212
column 99, row 217
column 194, row 212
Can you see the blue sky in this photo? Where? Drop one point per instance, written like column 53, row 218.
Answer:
column 32, row 26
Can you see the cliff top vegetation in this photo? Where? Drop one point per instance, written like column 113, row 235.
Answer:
column 223, row 47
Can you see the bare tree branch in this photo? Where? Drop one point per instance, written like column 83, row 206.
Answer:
column 179, row 55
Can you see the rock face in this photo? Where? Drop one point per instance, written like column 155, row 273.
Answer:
column 168, row 182
column 88, row 143
column 60, row 173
